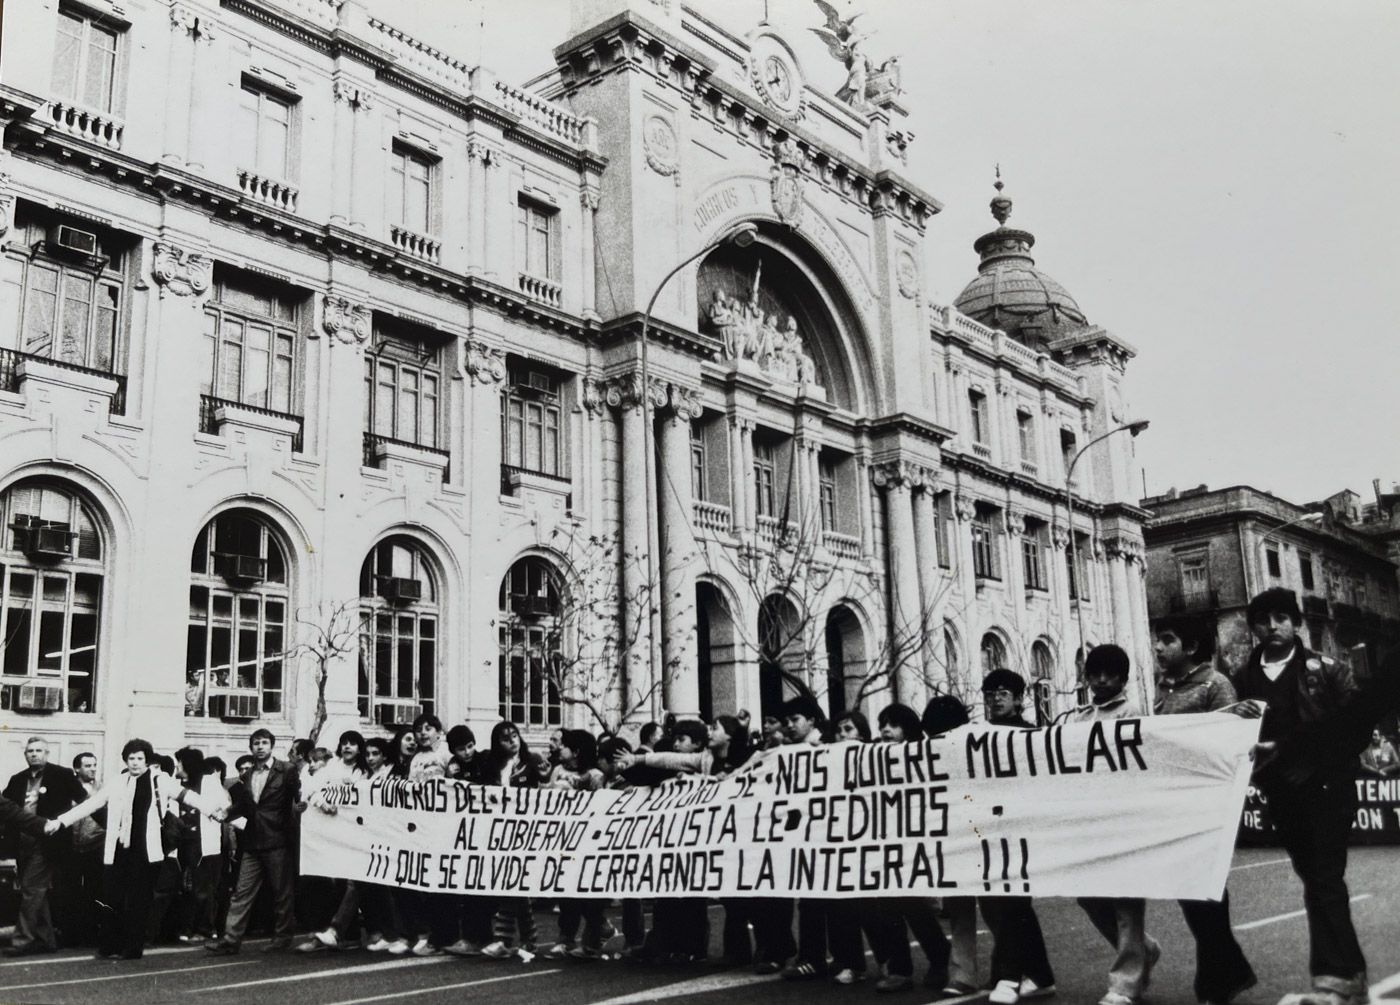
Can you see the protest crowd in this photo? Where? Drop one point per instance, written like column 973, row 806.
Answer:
column 185, row 847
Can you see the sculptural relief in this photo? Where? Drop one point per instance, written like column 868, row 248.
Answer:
column 746, row 331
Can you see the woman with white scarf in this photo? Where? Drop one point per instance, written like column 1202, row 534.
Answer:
column 137, row 800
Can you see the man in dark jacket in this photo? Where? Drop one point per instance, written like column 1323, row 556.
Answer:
column 1311, row 798
column 46, row 790
column 266, row 800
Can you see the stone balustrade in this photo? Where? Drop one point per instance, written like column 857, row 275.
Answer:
column 102, row 128
column 549, row 118
column 417, row 246
column 841, row 545
column 269, row 191
column 545, row 291
column 712, row 517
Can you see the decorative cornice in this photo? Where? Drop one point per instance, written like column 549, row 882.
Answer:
column 345, row 320
column 964, row 506
column 485, row 363
column 181, row 272
column 902, row 474
column 355, row 96
column 193, row 23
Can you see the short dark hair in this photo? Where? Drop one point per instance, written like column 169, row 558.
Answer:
column 1278, row 600
column 585, row 748
column 903, row 718
column 379, row 743
column 612, row 746
column 1008, row 679
column 942, row 713
column 649, row 733
column 192, row 760
column 241, row 760
column 165, row 762
column 78, row 761
column 138, row 745
column 803, row 705
column 459, row 736
column 856, row 716
column 215, row 766
column 693, row 728
column 1195, row 632
column 302, row 748
column 427, row 719
column 261, row 733
column 1108, row 658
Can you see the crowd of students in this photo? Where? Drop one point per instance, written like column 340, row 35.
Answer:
column 187, row 840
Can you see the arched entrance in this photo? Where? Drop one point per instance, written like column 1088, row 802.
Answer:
column 717, row 652
column 845, row 659
column 779, row 653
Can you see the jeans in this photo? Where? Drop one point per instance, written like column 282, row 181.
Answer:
column 1313, row 821
column 275, row 866
column 35, row 884
column 1122, row 921
column 1019, row 945
column 961, row 913
column 885, row 924
column 1221, row 967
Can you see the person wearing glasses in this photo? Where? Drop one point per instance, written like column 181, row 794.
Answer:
column 1020, row 965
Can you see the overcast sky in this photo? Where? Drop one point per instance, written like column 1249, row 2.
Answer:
column 1213, row 180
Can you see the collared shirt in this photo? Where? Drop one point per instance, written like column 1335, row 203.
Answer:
column 1204, row 689
column 34, row 785
column 257, row 778
column 1117, row 707
column 1273, row 669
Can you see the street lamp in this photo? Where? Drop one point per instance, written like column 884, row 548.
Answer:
column 1134, row 428
column 741, row 236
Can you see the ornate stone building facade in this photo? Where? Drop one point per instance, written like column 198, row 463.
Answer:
column 328, row 358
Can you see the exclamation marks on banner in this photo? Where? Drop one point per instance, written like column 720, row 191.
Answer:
column 1003, row 845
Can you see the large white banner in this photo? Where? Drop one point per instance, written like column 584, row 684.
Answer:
column 1132, row 807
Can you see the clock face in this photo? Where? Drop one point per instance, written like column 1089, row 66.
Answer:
column 775, row 76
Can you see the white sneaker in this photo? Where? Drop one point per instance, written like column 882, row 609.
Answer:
column 399, row 947
column 498, row 951
column 328, row 938
column 1005, row 993
column 1030, row 989
column 425, row 948
column 379, row 945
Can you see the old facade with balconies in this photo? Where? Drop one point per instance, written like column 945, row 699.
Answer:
column 313, row 321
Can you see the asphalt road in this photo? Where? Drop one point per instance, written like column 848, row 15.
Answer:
column 1266, row 904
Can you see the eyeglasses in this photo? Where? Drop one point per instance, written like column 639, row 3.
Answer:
column 1000, row 692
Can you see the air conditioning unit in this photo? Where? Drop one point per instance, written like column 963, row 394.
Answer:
column 398, row 590
column 240, row 706
column 241, row 568
column 45, row 542
column 40, row 698
column 62, row 237
column 395, row 713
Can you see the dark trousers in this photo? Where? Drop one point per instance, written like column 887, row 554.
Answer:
column 1221, row 966
column 128, row 890
column 885, row 921
column 736, row 943
column 824, row 925
column 36, row 874
column 1313, row 822
column 429, row 915
column 772, row 929
column 679, row 926
column 582, row 911
column 634, row 932
column 1018, row 944
column 81, row 894
column 274, row 867
column 381, row 909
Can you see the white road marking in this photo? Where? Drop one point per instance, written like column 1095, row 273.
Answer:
column 1386, row 985
column 128, row 976
column 696, row 986
column 30, row 961
column 312, row 975
column 1258, row 865
column 1285, row 917
column 443, row 987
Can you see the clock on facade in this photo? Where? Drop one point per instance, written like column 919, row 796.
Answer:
column 775, row 75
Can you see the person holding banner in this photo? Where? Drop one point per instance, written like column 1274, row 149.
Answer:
column 511, row 763
column 1020, row 964
column 1120, row 920
column 350, row 765
column 1188, row 683
column 1312, row 799
column 382, row 916
column 577, row 769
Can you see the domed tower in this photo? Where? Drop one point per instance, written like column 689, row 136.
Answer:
column 1010, row 293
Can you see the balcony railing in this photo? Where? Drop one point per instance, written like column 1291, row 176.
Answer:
column 210, row 405
column 102, row 128
column 10, row 380
column 1029, row 468
column 841, row 545
column 508, row 470
column 712, row 517
column 414, row 245
column 373, row 442
column 269, row 191
column 546, row 291
column 774, row 531
column 982, row 450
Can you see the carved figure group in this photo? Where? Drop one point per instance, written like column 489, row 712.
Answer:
column 865, row 85
column 748, row 332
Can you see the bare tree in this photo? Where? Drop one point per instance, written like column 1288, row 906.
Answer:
column 330, row 634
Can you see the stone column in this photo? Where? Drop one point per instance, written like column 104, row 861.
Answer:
column 588, row 291
column 1120, row 600
column 867, row 516
column 479, row 159
column 745, row 476
column 179, row 76
column 931, row 583
column 677, row 555
column 368, row 166
column 350, row 100
column 1064, row 611
column 484, row 371
column 896, row 478
column 739, row 492
column 638, row 589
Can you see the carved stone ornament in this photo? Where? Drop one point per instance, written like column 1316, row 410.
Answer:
column 346, row 320
column 1059, row 536
column 906, row 273
column 588, row 198
column 7, row 203
column 786, row 184
column 485, row 363
column 746, row 331
column 192, row 23
column 895, row 474
column 352, row 94
column 685, row 401
column 660, row 146
column 965, row 507
column 183, row 273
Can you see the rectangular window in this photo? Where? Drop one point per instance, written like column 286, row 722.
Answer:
column 70, row 311
column 1195, row 580
column 537, row 250
column 403, row 378
column 1077, row 565
column 826, row 475
column 264, row 132
column 1033, row 558
column 942, row 519
column 1271, row 557
column 85, row 61
column 1069, row 446
column 977, row 407
column 234, row 647
column 1025, row 431
column 411, row 191
column 250, row 345
column 765, row 468
column 48, row 635
column 699, row 488
column 1305, row 569
column 532, row 421
column 985, row 564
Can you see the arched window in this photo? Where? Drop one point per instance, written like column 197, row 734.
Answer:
column 399, row 639
column 1043, row 682
column 51, row 576
column 952, row 664
column 531, row 642
column 993, row 653
column 236, row 646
